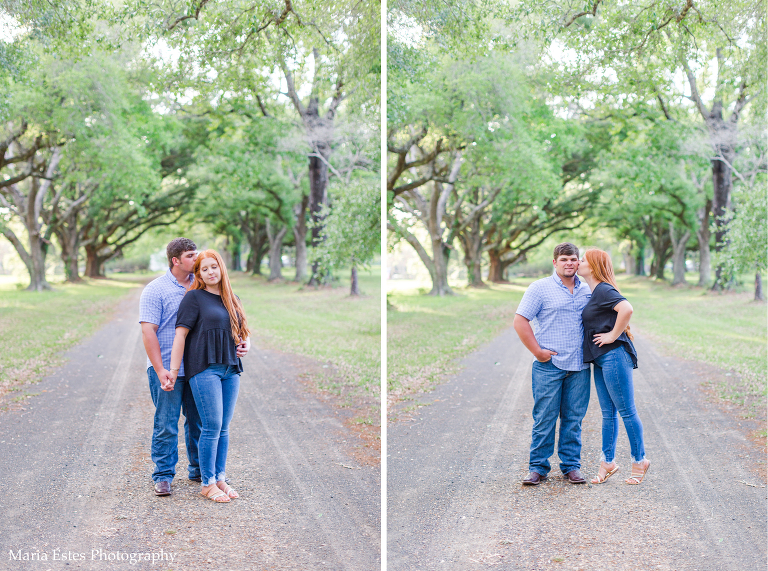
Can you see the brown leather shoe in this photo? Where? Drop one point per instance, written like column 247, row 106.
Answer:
column 534, row 479
column 163, row 488
column 575, row 477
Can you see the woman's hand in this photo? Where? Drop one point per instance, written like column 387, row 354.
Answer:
column 243, row 348
column 605, row 338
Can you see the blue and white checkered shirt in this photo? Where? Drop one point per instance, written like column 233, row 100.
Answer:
column 555, row 315
column 159, row 304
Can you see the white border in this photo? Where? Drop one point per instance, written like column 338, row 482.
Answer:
column 383, row 285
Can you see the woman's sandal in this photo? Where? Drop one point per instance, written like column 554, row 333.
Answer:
column 215, row 494
column 637, row 477
column 608, row 474
column 227, row 489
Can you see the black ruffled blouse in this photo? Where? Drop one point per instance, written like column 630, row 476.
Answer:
column 209, row 341
column 598, row 316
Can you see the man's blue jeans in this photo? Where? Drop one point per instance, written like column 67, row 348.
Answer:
column 165, row 433
column 557, row 393
column 616, row 392
column 215, row 391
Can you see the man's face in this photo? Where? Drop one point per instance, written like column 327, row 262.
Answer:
column 566, row 266
column 187, row 261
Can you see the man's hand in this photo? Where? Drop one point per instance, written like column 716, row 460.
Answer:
column 544, row 355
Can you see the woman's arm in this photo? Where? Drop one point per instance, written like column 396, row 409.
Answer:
column 624, row 310
column 177, row 352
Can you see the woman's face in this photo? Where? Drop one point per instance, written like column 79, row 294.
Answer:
column 584, row 270
column 210, row 272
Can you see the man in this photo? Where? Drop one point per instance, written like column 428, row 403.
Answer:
column 158, row 308
column 560, row 379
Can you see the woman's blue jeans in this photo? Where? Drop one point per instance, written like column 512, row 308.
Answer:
column 616, row 393
column 215, row 391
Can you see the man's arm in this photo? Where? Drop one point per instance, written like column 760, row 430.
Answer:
column 152, row 347
column 525, row 332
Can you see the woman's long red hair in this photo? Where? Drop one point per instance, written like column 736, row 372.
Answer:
column 237, row 320
column 602, row 268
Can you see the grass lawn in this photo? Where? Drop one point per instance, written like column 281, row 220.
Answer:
column 427, row 334
column 326, row 324
column 727, row 330
column 35, row 327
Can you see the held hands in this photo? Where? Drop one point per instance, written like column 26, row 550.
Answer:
column 168, row 379
column 604, row 338
column 544, row 355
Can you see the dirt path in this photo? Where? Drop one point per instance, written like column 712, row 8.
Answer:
column 455, row 501
column 80, row 453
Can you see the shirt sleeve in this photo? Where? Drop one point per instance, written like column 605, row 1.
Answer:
column 609, row 297
column 150, row 306
column 531, row 303
column 189, row 311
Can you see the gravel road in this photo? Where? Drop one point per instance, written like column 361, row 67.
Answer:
column 79, row 473
column 454, row 468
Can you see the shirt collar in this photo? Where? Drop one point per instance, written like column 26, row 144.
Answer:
column 576, row 281
column 173, row 278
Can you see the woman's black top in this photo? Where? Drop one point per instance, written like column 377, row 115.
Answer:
column 209, row 341
column 598, row 316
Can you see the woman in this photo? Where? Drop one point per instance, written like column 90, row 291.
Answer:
column 209, row 326
column 608, row 344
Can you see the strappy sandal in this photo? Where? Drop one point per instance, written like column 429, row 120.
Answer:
column 637, row 477
column 608, row 474
column 227, row 489
column 216, row 495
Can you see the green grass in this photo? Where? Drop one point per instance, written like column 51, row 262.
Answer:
column 326, row 324
column 35, row 327
column 426, row 334
column 727, row 330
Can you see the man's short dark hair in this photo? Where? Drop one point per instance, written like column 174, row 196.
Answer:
column 177, row 247
column 566, row 249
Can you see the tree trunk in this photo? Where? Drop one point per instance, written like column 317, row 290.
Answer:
column 94, row 264
column 67, row 231
column 442, row 254
column 495, row 271
column 703, row 235
column 300, row 237
column 34, row 260
column 759, row 287
column 471, row 242
column 275, row 251
column 234, row 250
column 354, row 288
column 37, row 251
column 318, row 197
column 69, row 251
column 678, row 254
column 640, row 261
column 629, row 262
column 256, row 235
column 723, row 137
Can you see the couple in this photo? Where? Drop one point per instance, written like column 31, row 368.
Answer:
column 581, row 318
column 195, row 332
